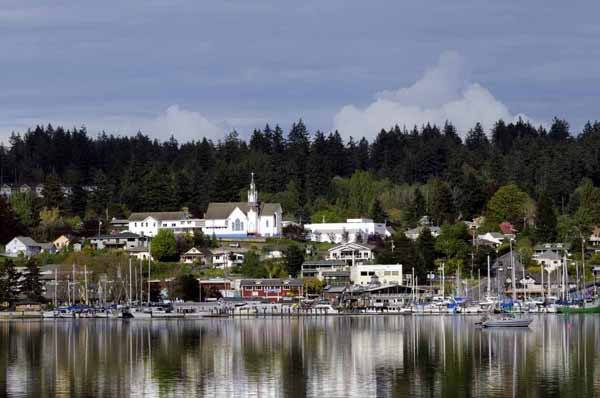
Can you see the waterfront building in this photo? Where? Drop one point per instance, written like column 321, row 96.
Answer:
column 353, row 230
column 271, row 289
column 149, row 223
column 215, row 287
column 385, row 274
column 243, row 219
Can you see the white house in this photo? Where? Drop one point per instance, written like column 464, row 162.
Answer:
column 549, row 259
column 148, row 224
column 353, row 230
column 351, row 253
column 387, row 274
column 320, row 268
column 243, row 219
column 5, row 190
column 26, row 246
column 62, row 242
column 194, row 255
column 227, row 258
column 495, row 238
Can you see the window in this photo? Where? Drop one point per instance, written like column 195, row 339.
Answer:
column 155, row 224
column 135, row 224
column 237, row 225
column 363, row 273
column 267, row 223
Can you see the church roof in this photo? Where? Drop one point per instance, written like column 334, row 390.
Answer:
column 220, row 211
column 159, row 215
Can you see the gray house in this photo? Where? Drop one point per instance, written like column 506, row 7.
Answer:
column 27, row 247
column 123, row 240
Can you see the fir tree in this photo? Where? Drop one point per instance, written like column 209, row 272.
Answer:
column 425, row 248
column 377, row 213
column 52, row 192
column 545, row 220
column 8, row 220
column 32, row 286
column 9, row 282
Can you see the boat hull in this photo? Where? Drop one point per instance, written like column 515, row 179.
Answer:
column 579, row 310
column 505, row 323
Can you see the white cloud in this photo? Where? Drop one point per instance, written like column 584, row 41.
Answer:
column 184, row 125
column 443, row 93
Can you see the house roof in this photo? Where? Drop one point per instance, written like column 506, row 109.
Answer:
column 197, row 252
column 337, row 274
column 159, row 215
column 321, row 263
column 220, row 211
column 27, row 241
column 121, row 235
column 271, row 282
column 351, row 245
column 552, row 246
column 334, row 289
column 549, row 255
column 138, row 249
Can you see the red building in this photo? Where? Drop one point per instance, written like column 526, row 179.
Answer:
column 271, row 289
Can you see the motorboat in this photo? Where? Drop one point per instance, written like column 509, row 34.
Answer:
column 506, row 322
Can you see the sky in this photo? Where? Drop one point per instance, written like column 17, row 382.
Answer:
column 200, row 69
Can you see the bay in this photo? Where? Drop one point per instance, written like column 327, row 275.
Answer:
column 335, row 356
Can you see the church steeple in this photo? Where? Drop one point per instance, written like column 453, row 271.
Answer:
column 252, row 192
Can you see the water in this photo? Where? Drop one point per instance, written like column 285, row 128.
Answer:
column 324, row 357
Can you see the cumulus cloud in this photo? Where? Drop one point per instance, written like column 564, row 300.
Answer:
column 184, row 125
column 443, row 93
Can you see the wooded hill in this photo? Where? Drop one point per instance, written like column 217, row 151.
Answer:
column 399, row 176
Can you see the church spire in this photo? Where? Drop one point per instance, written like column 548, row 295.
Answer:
column 252, row 192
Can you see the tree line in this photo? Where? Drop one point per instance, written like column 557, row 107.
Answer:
column 399, row 176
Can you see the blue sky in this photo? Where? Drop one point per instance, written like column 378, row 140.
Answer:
column 196, row 68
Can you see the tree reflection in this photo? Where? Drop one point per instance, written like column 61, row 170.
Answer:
column 312, row 356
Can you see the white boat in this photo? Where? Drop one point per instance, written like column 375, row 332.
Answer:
column 327, row 309
column 506, row 322
column 472, row 309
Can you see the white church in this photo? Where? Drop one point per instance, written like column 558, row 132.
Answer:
column 243, row 219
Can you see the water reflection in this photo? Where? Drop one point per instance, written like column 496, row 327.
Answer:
column 334, row 356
